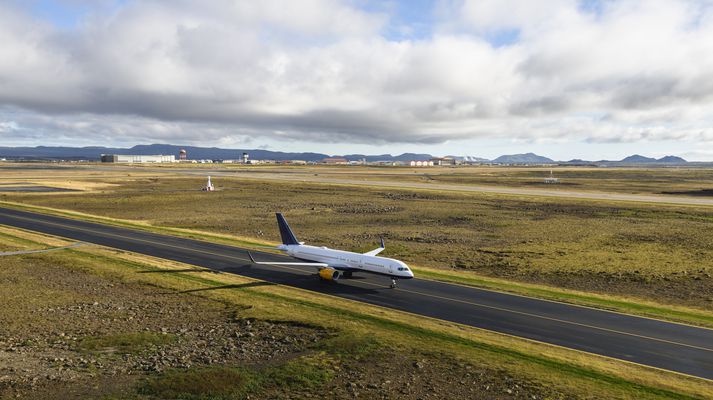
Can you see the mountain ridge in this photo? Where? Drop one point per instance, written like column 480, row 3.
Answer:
column 214, row 153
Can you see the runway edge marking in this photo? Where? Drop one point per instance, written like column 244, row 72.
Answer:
column 68, row 216
column 604, row 310
column 372, row 284
column 682, row 374
column 393, row 309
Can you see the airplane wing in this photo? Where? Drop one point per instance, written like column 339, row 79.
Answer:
column 377, row 250
column 310, row 264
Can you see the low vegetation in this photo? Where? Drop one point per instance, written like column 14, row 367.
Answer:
column 677, row 181
column 649, row 253
column 183, row 334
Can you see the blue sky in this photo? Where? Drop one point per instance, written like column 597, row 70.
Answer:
column 62, row 14
column 567, row 79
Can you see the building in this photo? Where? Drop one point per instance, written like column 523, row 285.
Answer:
column 335, row 161
column 123, row 158
column 182, row 155
column 421, row 163
column 443, row 161
column 245, row 158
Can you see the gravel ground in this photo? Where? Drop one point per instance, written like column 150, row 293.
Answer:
column 66, row 333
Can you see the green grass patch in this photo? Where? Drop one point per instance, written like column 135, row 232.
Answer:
column 125, row 343
column 303, row 373
column 352, row 346
column 227, row 383
column 213, row 383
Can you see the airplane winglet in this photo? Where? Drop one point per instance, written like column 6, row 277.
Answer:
column 252, row 260
column 382, row 242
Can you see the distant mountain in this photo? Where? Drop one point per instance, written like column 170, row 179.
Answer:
column 215, row 153
column 672, row 160
column 528, row 158
column 632, row 160
column 388, row 157
column 193, row 153
column 93, row 153
column 638, row 159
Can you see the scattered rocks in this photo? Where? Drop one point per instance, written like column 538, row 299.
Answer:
column 46, row 362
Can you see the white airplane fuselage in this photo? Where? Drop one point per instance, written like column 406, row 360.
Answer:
column 347, row 261
column 332, row 264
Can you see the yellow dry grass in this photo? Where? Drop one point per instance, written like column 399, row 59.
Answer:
column 523, row 357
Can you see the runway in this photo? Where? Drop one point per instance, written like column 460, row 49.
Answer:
column 675, row 347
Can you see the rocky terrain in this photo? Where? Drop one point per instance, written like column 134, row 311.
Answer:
column 66, row 332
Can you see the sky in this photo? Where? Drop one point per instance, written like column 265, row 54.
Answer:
column 590, row 79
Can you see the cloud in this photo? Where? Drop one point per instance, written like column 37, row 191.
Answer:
column 327, row 71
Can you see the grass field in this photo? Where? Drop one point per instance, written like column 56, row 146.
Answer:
column 655, row 253
column 674, row 181
column 75, row 304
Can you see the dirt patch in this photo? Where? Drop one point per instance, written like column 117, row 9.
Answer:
column 389, row 374
column 68, row 333
column 105, row 335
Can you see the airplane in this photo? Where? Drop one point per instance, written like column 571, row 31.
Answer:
column 208, row 187
column 333, row 264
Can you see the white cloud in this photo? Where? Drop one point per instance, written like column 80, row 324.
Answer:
column 320, row 70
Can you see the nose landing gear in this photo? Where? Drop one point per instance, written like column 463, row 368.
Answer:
column 393, row 283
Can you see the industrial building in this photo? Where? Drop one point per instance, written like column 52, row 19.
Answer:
column 335, row 161
column 421, row 163
column 443, row 161
column 124, row 158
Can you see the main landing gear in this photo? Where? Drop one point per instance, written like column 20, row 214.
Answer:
column 393, row 283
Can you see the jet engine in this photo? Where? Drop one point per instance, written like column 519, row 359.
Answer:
column 329, row 274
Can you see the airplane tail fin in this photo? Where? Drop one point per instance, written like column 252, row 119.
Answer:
column 287, row 236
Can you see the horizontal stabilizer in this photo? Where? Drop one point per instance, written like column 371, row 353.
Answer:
column 308, row 264
column 377, row 250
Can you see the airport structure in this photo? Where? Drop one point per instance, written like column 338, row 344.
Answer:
column 551, row 179
column 421, row 163
column 443, row 161
column 335, row 161
column 123, row 158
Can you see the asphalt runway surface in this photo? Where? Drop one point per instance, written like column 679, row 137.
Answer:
column 675, row 347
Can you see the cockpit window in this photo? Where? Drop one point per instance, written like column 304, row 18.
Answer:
column 403, row 269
